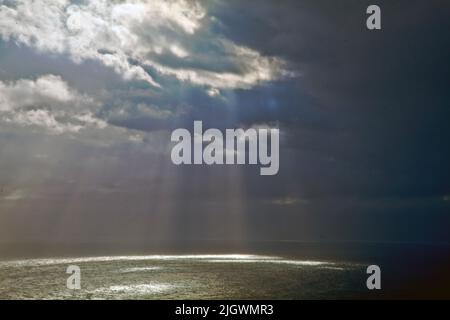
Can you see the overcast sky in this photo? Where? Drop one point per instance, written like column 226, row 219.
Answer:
column 91, row 90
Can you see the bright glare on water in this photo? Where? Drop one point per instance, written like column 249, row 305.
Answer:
column 232, row 276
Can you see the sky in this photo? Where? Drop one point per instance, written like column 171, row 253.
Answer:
column 90, row 92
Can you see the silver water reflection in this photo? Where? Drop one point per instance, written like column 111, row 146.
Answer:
column 232, row 276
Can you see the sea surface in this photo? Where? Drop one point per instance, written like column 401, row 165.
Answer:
column 286, row 271
column 227, row 276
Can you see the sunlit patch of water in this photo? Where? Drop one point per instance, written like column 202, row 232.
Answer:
column 139, row 269
column 138, row 289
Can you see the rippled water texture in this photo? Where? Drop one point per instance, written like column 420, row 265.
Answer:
column 182, row 277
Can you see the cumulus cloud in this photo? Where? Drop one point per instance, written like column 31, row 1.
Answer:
column 126, row 110
column 42, row 91
column 136, row 36
column 47, row 102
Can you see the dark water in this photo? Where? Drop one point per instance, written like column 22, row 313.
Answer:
column 299, row 271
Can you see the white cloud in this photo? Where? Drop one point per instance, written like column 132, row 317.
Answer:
column 43, row 118
column 115, row 33
column 213, row 92
column 256, row 69
column 26, row 92
column 89, row 118
column 47, row 102
column 153, row 112
column 123, row 110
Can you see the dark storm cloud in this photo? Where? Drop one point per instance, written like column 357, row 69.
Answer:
column 377, row 100
column 366, row 120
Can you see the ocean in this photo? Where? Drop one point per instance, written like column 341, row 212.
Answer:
column 218, row 276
